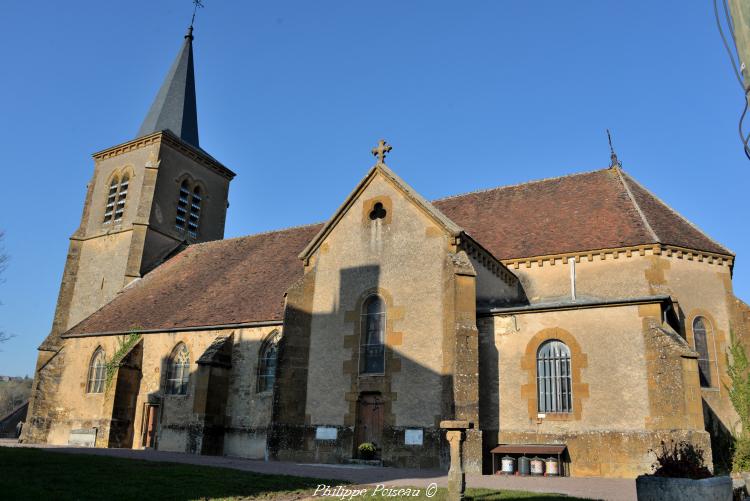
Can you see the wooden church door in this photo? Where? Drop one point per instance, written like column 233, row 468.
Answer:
column 151, row 423
column 369, row 421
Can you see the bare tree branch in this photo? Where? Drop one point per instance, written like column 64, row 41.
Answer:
column 3, row 256
column 3, row 265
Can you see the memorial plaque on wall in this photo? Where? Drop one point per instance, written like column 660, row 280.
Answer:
column 413, row 437
column 325, row 433
column 85, row 437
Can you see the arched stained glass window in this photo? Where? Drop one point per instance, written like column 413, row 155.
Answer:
column 178, row 373
column 267, row 364
column 553, row 378
column 372, row 349
column 97, row 369
column 701, row 334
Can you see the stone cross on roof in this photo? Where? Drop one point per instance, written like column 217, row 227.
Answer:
column 381, row 150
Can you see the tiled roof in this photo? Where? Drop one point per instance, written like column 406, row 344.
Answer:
column 240, row 280
column 602, row 209
column 243, row 280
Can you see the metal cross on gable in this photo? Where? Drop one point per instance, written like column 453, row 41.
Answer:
column 381, row 150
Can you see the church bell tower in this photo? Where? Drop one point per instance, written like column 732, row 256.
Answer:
column 148, row 198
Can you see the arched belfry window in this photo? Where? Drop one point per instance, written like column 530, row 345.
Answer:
column 189, row 208
column 553, row 378
column 109, row 209
column 116, row 197
column 701, row 334
column 97, row 369
column 372, row 349
column 267, row 362
column 122, row 195
column 178, row 372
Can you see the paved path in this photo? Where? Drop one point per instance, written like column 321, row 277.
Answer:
column 593, row 488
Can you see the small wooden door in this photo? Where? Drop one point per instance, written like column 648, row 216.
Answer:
column 369, row 421
column 149, row 430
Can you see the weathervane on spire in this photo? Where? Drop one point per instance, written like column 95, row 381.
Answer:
column 381, row 150
column 196, row 4
column 613, row 160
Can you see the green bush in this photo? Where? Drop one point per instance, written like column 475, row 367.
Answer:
column 739, row 394
column 741, row 457
column 367, row 450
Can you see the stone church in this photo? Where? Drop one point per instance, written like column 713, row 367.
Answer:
column 580, row 311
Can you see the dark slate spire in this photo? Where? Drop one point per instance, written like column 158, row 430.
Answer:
column 174, row 107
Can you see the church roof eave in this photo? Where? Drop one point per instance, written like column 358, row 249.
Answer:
column 169, row 137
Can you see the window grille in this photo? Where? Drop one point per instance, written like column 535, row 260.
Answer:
column 554, row 381
column 267, row 365
column 178, row 374
column 372, row 349
column 97, row 371
column 701, row 330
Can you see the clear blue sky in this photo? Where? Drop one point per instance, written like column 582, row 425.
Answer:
column 293, row 94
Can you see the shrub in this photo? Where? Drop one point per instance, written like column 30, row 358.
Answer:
column 680, row 460
column 741, row 457
column 739, row 394
column 366, row 450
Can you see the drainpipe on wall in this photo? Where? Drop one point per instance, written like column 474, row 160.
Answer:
column 572, row 263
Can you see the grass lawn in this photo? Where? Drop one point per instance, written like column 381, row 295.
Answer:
column 42, row 475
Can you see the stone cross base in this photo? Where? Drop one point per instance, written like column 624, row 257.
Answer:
column 456, row 475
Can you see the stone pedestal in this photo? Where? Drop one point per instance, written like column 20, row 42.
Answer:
column 456, row 476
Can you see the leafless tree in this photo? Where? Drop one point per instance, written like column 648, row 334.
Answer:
column 3, row 265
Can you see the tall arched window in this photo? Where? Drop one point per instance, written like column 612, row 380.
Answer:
column 267, row 364
column 122, row 195
column 97, row 369
column 372, row 351
column 118, row 194
column 701, row 335
column 553, row 378
column 109, row 209
column 189, row 208
column 178, row 373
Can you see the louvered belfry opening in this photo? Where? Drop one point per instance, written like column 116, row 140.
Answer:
column 189, row 209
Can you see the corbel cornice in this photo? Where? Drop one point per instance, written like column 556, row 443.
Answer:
column 173, row 141
column 672, row 251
